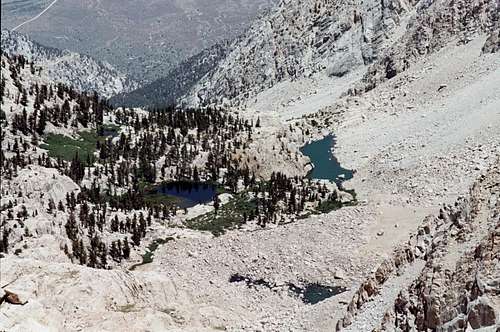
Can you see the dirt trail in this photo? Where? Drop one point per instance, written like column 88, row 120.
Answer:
column 36, row 17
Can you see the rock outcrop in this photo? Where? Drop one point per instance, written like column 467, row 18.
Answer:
column 434, row 24
column 459, row 286
column 11, row 298
column 78, row 70
column 492, row 44
column 452, row 300
column 299, row 38
column 452, row 290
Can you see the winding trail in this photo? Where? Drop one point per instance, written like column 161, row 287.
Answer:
column 36, row 17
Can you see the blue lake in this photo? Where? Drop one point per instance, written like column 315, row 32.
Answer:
column 326, row 166
column 188, row 193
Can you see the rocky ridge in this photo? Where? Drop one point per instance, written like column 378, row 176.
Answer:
column 70, row 68
column 326, row 40
column 300, row 38
column 435, row 24
column 457, row 287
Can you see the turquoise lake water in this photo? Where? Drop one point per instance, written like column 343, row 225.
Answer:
column 326, row 166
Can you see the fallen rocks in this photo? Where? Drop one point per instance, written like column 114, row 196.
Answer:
column 458, row 288
column 339, row 274
column 492, row 44
column 439, row 296
column 12, row 298
column 482, row 313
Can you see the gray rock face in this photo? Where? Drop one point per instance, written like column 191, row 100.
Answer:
column 458, row 288
column 300, row 38
column 492, row 44
column 434, row 24
column 482, row 313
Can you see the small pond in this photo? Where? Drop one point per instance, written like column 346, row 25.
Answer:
column 315, row 293
column 188, row 194
column 109, row 132
column 326, row 166
column 311, row 293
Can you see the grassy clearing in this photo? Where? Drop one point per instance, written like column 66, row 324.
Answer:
column 159, row 198
column 229, row 216
column 148, row 256
column 329, row 206
column 60, row 146
column 127, row 308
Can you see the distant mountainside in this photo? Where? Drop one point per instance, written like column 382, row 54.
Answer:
column 145, row 39
column 81, row 71
column 299, row 39
column 177, row 83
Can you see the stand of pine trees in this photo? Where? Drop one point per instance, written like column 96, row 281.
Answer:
column 168, row 144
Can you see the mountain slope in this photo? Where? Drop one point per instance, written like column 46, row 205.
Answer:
column 81, row 71
column 178, row 82
column 434, row 25
column 415, row 116
column 300, row 38
column 325, row 41
column 144, row 39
